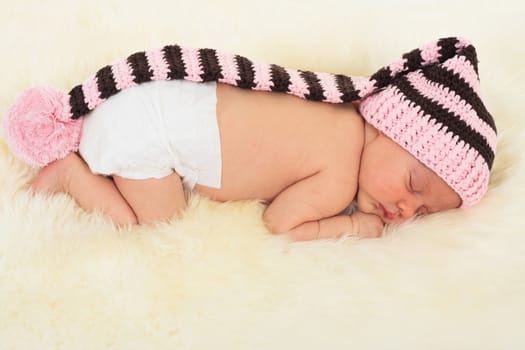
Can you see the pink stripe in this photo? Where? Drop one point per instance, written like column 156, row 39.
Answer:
column 462, row 43
column 298, row 86
column 262, row 77
column 229, row 68
column 430, row 53
column 451, row 101
column 478, row 183
column 364, row 85
column 461, row 66
column 123, row 75
column 330, row 91
column 397, row 66
column 91, row 93
column 157, row 64
column 190, row 57
column 463, row 169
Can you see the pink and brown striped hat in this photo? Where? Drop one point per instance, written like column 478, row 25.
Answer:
column 435, row 112
column 428, row 102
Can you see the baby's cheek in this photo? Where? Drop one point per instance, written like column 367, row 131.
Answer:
column 392, row 186
column 382, row 186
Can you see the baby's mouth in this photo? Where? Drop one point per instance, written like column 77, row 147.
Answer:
column 385, row 214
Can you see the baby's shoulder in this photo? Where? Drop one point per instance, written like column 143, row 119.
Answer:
column 343, row 146
column 347, row 132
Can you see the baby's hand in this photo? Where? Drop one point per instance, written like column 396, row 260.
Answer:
column 366, row 225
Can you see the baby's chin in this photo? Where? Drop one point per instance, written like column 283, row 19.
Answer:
column 364, row 205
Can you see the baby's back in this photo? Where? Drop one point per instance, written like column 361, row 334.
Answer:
column 270, row 141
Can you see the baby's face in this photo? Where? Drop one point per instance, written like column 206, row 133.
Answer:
column 394, row 185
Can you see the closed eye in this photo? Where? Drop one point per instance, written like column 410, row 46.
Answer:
column 411, row 183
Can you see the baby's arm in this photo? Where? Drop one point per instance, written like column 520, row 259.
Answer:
column 307, row 209
column 357, row 224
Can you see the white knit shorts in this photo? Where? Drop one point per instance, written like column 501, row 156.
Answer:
column 154, row 129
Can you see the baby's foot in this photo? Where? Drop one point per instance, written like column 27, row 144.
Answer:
column 55, row 177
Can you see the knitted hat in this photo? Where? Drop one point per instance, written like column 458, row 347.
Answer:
column 428, row 102
column 436, row 113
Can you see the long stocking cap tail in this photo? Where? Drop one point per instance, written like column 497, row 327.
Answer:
column 44, row 124
column 203, row 65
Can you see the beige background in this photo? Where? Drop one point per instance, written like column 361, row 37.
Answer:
column 216, row 278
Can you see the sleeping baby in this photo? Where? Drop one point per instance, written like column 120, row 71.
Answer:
column 133, row 140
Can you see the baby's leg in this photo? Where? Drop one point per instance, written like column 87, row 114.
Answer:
column 92, row 192
column 153, row 199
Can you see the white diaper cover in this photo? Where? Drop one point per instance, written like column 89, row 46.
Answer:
column 156, row 128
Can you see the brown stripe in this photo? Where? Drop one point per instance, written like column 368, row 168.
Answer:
column 469, row 53
column 383, row 77
column 345, row 85
column 173, row 57
column 106, row 83
column 447, row 119
column 454, row 82
column 79, row 107
column 246, row 74
column 140, row 68
column 413, row 62
column 314, row 86
column 447, row 48
column 280, row 78
column 210, row 65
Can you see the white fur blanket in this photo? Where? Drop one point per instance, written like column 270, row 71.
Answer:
column 216, row 279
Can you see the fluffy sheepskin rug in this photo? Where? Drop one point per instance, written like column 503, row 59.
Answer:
column 216, row 279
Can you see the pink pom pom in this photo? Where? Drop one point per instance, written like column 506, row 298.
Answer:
column 38, row 127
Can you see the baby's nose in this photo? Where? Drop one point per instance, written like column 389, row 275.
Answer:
column 407, row 209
